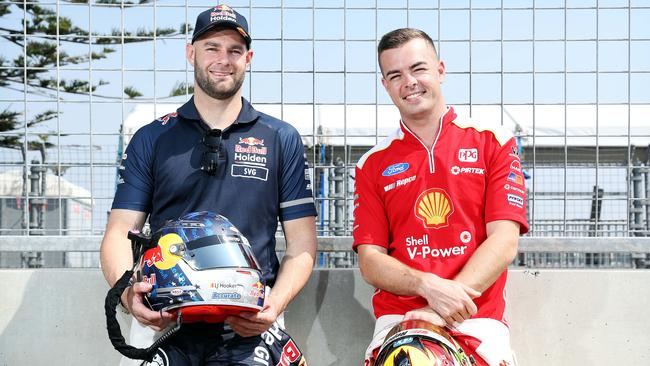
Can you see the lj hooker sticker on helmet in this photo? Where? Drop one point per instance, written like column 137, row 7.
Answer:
column 434, row 207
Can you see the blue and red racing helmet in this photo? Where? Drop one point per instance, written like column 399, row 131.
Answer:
column 201, row 268
column 420, row 343
column 202, row 265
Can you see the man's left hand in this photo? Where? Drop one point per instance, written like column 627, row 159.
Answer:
column 253, row 324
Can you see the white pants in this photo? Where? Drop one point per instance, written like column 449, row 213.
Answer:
column 494, row 336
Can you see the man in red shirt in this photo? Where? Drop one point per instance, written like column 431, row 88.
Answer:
column 439, row 207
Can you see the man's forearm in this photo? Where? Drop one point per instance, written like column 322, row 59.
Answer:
column 115, row 251
column 292, row 277
column 115, row 257
column 387, row 273
column 298, row 261
column 492, row 257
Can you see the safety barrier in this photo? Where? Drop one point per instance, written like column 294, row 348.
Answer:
column 558, row 317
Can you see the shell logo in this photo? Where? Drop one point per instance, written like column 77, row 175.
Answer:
column 434, row 207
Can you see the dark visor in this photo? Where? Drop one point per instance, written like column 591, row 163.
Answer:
column 219, row 251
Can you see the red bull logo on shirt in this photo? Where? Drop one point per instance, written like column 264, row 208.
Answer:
column 434, row 207
column 161, row 256
column 251, row 141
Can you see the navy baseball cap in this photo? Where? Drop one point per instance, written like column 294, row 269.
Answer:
column 221, row 16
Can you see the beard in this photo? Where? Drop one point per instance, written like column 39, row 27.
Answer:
column 211, row 88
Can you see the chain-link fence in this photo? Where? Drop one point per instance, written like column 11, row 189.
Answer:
column 568, row 77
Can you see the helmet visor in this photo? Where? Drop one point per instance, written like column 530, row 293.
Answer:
column 219, row 251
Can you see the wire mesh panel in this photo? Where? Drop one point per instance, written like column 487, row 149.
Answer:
column 569, row 78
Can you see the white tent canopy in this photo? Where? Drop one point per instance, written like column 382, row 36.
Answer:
column 11, row 185
column 541, row 125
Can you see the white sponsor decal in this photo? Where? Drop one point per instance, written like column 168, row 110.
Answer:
column 455, row 170
column 515, row 165
column 468, row 155
column 419, row 247
column 261, row 353
column 159, row 359
column 513, row 188
column 515, row 200
column 249, row 171
column 465, row 237
column 250, row 158
column 399, row 183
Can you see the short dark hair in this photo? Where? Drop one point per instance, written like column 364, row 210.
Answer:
column 398, row 37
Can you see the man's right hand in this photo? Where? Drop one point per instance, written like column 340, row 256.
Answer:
column 450, row 299
column 133, row 300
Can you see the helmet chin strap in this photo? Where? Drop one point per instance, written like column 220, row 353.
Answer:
column 139, row 244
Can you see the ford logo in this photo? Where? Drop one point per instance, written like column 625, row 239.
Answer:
column 395, row 169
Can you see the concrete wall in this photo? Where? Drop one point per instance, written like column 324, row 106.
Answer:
column 558, row 317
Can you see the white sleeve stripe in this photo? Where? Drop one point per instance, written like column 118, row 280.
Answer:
column 301, row 201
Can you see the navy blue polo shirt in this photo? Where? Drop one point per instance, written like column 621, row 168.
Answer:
column 262, row 177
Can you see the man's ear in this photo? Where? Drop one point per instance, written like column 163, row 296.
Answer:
column 249, row 58
column 441, row 71
column 189, row 53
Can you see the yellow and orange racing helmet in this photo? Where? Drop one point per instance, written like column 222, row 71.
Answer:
column 420, row 343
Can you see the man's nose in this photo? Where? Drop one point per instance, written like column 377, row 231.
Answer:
column 410, row 80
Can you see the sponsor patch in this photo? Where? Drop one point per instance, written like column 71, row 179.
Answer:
column 399, row 183
column 159, row 359
column 465, row 237
column 225, row 296
column 516, row 166
column 515, row 178
column 434, row 207
column 428, row 252
column 395, row 169
column 468, row 155
column 290, row 353
column 176, row 292
column 166, row 118
column 515, row 200
column 508, row 187
column 249, row 171
column 455, row 170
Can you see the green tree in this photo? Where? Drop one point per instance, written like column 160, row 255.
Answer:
column 32, row 68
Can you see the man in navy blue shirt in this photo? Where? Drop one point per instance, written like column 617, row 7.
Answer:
column 217, row 153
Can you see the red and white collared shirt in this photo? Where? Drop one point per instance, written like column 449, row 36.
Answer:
column 429, row 207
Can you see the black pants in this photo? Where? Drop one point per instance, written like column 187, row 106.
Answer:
column 202, row 344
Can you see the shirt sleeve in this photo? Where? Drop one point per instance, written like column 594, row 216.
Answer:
column 296, row 198
column 370, row 222
column 506, row 188
column 135, row 178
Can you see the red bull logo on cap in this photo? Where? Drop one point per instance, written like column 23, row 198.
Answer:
column 222, row 12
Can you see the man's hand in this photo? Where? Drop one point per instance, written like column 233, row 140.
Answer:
column 132, row 298
column 450, row 299
column 426, row 314
column 252, row 324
